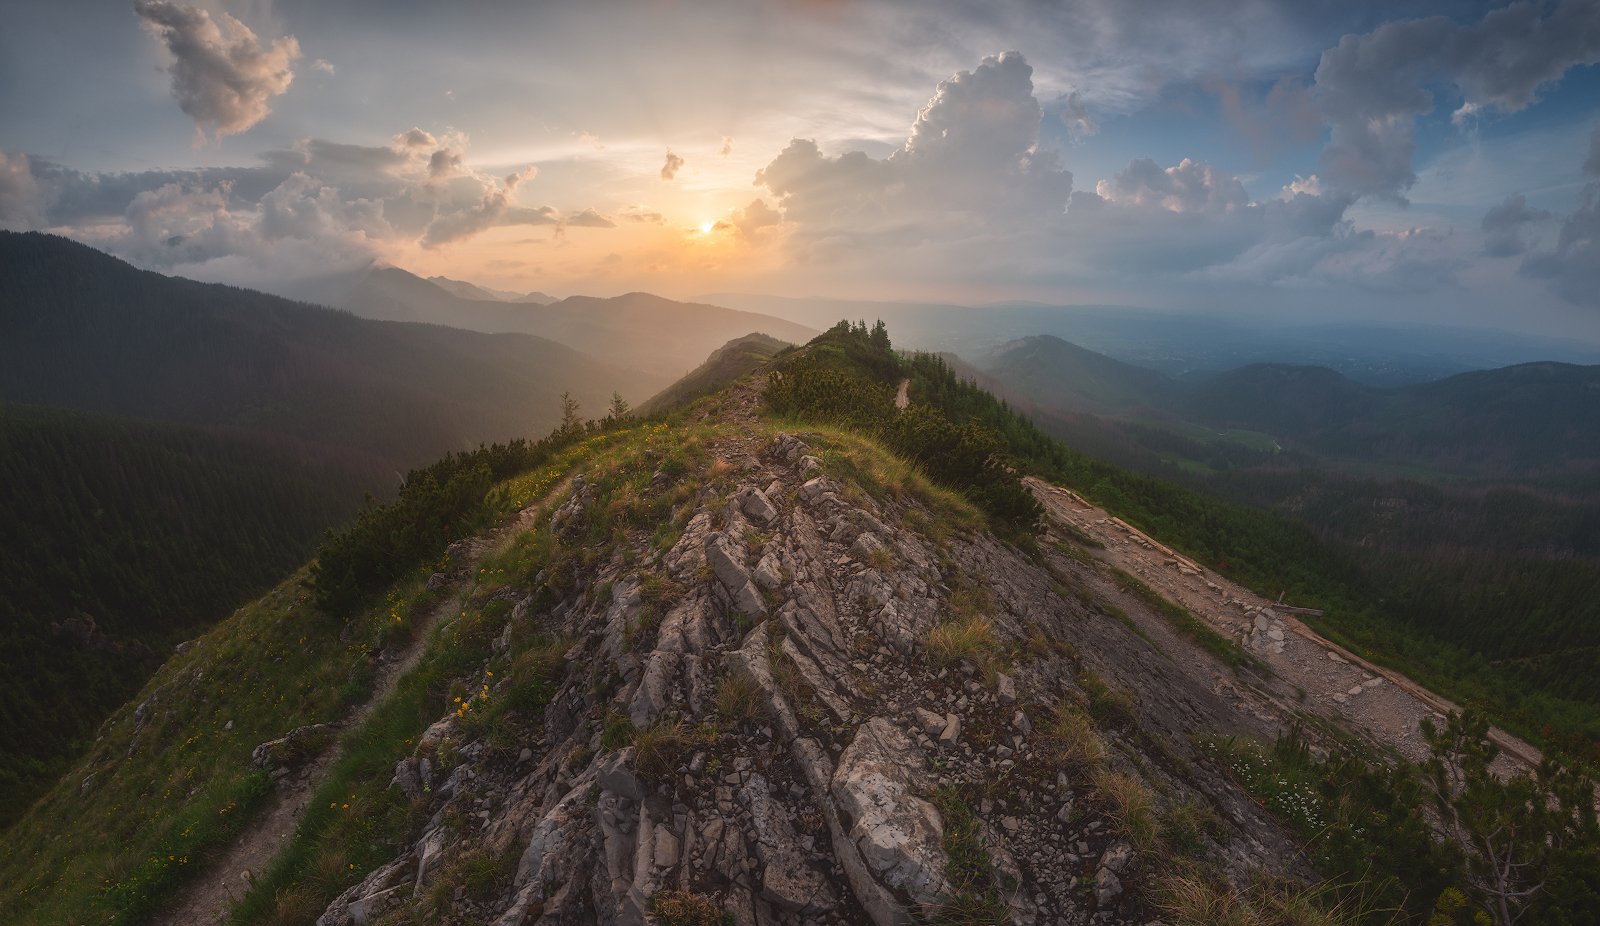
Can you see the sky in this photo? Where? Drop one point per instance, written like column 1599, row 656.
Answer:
column 1416, row 161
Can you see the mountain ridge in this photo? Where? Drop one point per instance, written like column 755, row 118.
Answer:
column 1531, row 419
column 637, row 330
column 124, row 341
column 717, row 667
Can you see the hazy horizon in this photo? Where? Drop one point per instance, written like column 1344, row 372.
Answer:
column 1416, row 163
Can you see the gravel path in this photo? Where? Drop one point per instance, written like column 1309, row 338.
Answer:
column 1379, row 702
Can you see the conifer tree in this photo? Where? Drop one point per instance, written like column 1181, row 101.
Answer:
column 1512, row 829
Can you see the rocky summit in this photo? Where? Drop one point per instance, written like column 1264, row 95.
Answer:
column 790, row 736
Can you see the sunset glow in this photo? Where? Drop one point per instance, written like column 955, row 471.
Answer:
column 1181, row 157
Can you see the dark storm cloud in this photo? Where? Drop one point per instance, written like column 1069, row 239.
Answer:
column 1371, row 88
column 1502, row 226
column 1572, row 267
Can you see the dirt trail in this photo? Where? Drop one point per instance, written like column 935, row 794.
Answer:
column 208, row 899
column 902, row 396
column 1379, row 702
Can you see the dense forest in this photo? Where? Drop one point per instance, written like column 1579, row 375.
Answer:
column 122, row 538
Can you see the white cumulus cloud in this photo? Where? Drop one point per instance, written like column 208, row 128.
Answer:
column 223, row 76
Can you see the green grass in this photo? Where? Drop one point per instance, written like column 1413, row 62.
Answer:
column 968, row 638
column 1192, row 900
column 117, row 849
column 852, row 458
column 356, row 819
column 1069, row 738
column 1131, row 808
column 144, row 826
column 975, row 893
column 740, row 700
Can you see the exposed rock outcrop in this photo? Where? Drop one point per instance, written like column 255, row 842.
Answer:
column 775, row 735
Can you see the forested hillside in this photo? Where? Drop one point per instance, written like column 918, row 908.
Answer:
column 122, row 538
column 81, row 329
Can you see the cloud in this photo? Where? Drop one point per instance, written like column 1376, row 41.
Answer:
column 494, row 208
column 1572, row 267
column 1502, row 226
column 175, row 224
column 1194, row 218
column 754, row 217
column 303, row 207
column 444, row 163
column 727, row 146
column 1188, row 187
column 972, row 156
column 1285, row 115
column 1075, row 115
column 818, row 190
column 315, row 202
column 324, row 66
column 21, row 201
column 669, row 170
column 223, row 76
column 977, row 140
column 519, row 177
column 637, row 213
column 414, row 138
column 589, row 218
column 324, row 158
column 970, row 196
column 1371, row 88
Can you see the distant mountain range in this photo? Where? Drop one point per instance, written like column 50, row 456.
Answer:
column 473, row 291
column 1180, row 343
column 1526, row 420
column 84, row 330
column 637, row 331
column 1051, row 371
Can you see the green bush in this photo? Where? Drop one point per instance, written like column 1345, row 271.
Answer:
column 848, row 377
column 437, row 505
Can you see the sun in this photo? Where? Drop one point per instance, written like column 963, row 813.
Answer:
column 705, row 227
